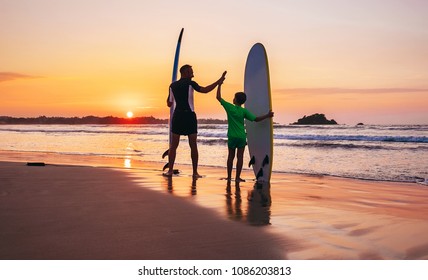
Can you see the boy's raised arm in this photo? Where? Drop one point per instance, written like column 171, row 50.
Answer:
column 219, row 92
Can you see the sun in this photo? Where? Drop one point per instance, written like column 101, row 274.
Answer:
column 129, row 114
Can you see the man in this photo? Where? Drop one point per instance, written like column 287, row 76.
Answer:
column 184, row 120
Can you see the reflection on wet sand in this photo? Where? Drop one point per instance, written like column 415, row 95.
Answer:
column 234, row 203
column 193, row 188
column 170, row 187
column 258, row 204
column 244, row 203
column 316, row 217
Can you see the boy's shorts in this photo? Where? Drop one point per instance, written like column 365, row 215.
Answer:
column 184, row 123
column 234, row 142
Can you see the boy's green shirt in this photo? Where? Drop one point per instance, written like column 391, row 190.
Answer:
column 235, row 119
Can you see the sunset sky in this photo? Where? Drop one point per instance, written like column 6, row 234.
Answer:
column 356, row 61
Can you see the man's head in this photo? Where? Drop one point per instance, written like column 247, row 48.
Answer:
column 240, row 98
column 186, row 71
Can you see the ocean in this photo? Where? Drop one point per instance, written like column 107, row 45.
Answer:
column 370, row 152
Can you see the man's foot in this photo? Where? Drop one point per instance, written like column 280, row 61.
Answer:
column 239, row 180
column 168, row 174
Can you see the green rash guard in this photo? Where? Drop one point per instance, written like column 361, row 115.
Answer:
column 235, row 119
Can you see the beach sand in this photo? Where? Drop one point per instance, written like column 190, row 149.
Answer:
column 125, row 209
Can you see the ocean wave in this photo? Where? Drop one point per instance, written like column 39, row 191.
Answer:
column 213, row 126
column 354, row 138
column 353, row 127
column 386, row 174
column 145, row 131
column 400, row 134
column 349, row 146
column 211, row 142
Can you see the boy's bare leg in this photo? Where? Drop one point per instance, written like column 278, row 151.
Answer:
column 230, row 158
column 239, row 163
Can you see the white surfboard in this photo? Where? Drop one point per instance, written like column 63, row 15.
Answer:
column 259, row 102
column 174, row 78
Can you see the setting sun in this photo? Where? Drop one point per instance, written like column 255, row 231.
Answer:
column 129, row 114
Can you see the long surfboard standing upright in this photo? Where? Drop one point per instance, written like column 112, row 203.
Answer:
column 259, row 102
column 174, row 78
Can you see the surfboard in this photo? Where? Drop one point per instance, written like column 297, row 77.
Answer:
column 259, row 102
column 174, row 78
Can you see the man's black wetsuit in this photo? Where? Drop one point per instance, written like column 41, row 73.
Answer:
column 184, row 119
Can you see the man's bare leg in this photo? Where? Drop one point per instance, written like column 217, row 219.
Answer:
column 194, row 154
column 175, row 140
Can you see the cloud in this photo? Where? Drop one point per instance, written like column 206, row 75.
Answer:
column 147, row 107
column 317, row 91
column 10, row 76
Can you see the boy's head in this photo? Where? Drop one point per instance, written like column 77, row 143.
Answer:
column 240, row 98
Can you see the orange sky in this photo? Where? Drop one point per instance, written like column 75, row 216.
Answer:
column 355, row 61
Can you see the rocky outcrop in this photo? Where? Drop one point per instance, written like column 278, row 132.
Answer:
column 315, row 119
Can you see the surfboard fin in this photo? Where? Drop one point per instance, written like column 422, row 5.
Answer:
column 165, row 166
column 252, row 161
column 266, row 160
column 165, row 153
column 259, row 174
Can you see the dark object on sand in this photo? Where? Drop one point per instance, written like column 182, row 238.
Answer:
column 36, row 164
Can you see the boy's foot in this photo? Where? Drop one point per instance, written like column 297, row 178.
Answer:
column 239, row 180
column 197, row 175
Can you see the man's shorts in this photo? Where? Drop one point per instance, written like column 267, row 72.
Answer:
column 184, row 123
column 233, row 142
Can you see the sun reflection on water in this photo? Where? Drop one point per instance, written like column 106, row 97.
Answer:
column 127, row 163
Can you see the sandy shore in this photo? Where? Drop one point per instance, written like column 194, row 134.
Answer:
column 60, row 212
column 76, row 212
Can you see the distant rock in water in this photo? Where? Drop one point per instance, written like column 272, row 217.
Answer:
column 315, row 119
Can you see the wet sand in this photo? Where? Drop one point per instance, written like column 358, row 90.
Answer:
column 66, row 212
column 77, row 212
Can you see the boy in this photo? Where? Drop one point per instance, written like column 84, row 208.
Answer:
column 236, row 135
